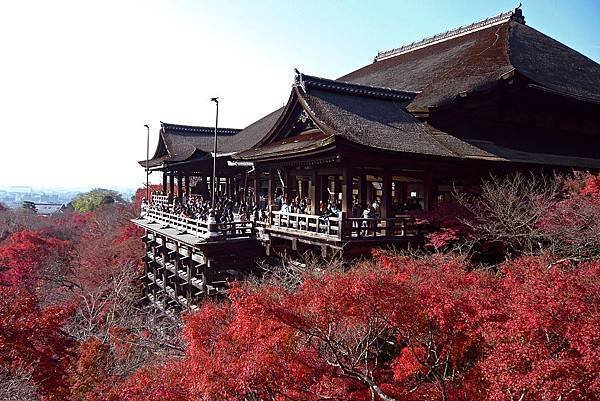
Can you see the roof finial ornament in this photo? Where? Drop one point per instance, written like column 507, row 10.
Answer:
column 298, row 80
column 517, row 15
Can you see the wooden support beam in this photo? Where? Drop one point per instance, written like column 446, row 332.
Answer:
column 190, row 272
column 179, row 186
column 312, row 194
column 386, row 200
column 187, row 185
column 176, row 265
column 318, row 192
column 272, row 186
column 347, row 191
column 362, row 189
column 430, row 191
column 164, row 182
column 165, row 257
column 172, row 184
column 256, row 189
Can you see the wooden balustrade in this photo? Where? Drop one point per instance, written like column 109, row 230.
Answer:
column 308, row 224
column 160, row 199
column 232, row 229
column 394, row 227
column 345, row 228
column 191, row 226
column 332, row 228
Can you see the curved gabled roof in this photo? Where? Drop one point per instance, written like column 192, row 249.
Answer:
column 375, row 118
column 177, row 143
column 364, row 115
column 475, row 58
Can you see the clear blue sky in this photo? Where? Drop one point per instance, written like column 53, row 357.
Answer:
column 80, row 78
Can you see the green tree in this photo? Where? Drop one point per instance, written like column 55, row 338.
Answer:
column 92, row 200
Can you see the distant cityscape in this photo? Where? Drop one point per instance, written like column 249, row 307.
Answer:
column 14, row 196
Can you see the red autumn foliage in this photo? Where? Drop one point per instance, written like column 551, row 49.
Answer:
column 24, row 253
column 400, row 329
column 445, row 223
column 31, row 340
column 394, row 328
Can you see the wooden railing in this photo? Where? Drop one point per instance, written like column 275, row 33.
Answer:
column 160, row 199
column 333, row 228
column 184, row 224
column 393, row 227
column 200, row 228
column 307, row 224
column 342, row 227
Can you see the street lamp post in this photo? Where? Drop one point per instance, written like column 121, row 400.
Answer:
column 147, row 162
column 214, row 174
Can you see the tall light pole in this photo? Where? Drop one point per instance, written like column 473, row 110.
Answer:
column 214, row 175
column 147, row 162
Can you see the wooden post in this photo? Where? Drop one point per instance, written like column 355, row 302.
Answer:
column 312, row 194
column 179, row 186
column 340, row 232
column 176, row 266
column 256, row 188
column 362, row 189
column 187, row 186
column 206, row 275
column 272, row 186
column 164, row 183
column 172, row 184
column 189, row 276
column 347, row 191
column 318, row 188
column 386, row 201
column 164, row 254
column 429, row 189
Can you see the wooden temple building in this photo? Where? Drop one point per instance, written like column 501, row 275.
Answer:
column 400, row 133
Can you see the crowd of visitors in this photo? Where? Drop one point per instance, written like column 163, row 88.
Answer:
column 228, row 208
column 200, row 208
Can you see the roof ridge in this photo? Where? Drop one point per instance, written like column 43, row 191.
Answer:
column 514, row 15
column 198, row 129
column 304, row 81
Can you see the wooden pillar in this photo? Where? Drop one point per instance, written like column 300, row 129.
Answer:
column 176, row 286
column 334, row 189
column 164, row 254
column 318, row 189
column 386, row 200
column 430, row 191
column 205, row 187
column 312, row 193
column 189, row 287
column 347, row 191
column 172, row 184
column 187, row 185
column 179, row 186
column 272, row 186
column 256, row 188
column 289, row 185
column 164, row 183
column 362, row 189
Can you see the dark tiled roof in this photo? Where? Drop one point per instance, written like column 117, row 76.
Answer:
column 369, row 116
column 553, row 65
column 293, row 145
column 254, row 133
column 178, row 143
column 475, row 59
column 382, row 122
